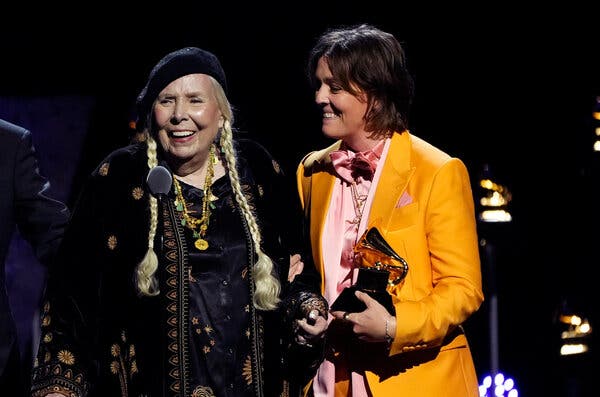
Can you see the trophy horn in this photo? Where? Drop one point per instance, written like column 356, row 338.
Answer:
column 376, row 241
column 373, row 241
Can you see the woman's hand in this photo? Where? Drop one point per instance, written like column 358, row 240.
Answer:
column 311, row 329
column 296, row 266
column 372, row 323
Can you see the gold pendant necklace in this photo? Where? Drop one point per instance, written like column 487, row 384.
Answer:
column 198, row 226
column 359, row 201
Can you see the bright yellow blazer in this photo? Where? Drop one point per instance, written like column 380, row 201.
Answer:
column 436, row 234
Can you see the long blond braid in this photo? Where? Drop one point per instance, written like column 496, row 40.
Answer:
column 266, row 286
column 146, row 281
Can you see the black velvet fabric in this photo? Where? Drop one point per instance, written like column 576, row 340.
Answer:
column 100, row 338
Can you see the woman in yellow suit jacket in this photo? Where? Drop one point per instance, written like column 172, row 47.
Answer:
column 419, row 198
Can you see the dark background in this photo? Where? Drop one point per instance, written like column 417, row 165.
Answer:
column 495, row 84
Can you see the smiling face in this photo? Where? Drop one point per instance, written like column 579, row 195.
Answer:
column 343, row 113
column 188, row 118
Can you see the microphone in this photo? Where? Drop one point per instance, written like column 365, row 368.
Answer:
column 159, row 181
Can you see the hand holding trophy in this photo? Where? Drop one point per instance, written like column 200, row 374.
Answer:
column 380, row 268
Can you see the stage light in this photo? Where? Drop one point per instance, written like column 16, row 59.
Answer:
column 494, row 199
column 575, row 333
column 492, row 214
column 596, row 121
column 497, row 386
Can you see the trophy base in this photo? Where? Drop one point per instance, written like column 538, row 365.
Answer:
column 370, row 281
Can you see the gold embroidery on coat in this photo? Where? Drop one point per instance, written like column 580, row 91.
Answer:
column 112, row 242
column 247, row 371
column 124, row 365
column 66, row 357
column 137, row 193
column 203, row 391
column 103, row 171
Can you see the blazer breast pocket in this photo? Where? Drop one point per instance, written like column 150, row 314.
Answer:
column 403, row 217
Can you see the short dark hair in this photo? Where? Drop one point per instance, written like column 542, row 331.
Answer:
column 374, row 61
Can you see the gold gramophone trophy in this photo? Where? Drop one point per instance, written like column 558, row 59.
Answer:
column 380, row 268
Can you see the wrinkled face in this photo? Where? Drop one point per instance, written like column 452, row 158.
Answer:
column 343, row 113
column 188, row 117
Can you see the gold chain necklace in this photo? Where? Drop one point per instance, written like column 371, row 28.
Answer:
column 198, row 226
column 359, row 201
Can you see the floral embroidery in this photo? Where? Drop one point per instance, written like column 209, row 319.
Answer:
column 247, row 371
column 114, row 368
column 203, row 391
column 261, row 191
column 103, row 171
column 48, row 338
column 137, row 193
column 124, row 366
column 112, row 242
column 66, row 357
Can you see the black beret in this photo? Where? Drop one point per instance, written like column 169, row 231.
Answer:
column 189, row 60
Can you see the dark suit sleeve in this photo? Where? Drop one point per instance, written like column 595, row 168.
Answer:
column 41, row 219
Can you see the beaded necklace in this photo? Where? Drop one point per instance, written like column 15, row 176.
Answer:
column 198, row 226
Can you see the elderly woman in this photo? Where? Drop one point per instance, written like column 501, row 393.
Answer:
column 172, row 276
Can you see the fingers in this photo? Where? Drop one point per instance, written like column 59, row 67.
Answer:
column 311, row 332
column 296, row 266
column 295, row 259
column 343, row 316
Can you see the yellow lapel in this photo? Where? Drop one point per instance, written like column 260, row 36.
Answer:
column 394, row 178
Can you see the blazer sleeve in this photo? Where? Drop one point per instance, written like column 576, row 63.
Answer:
column 41, row 219
column 451, row 251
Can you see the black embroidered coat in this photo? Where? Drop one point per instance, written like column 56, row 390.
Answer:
column 99, row 338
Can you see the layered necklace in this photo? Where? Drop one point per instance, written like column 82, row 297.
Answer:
column 198, row 226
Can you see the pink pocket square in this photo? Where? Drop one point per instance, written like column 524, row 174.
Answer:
column 404, row 200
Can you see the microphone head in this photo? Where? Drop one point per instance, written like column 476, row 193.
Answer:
column 159, row 180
